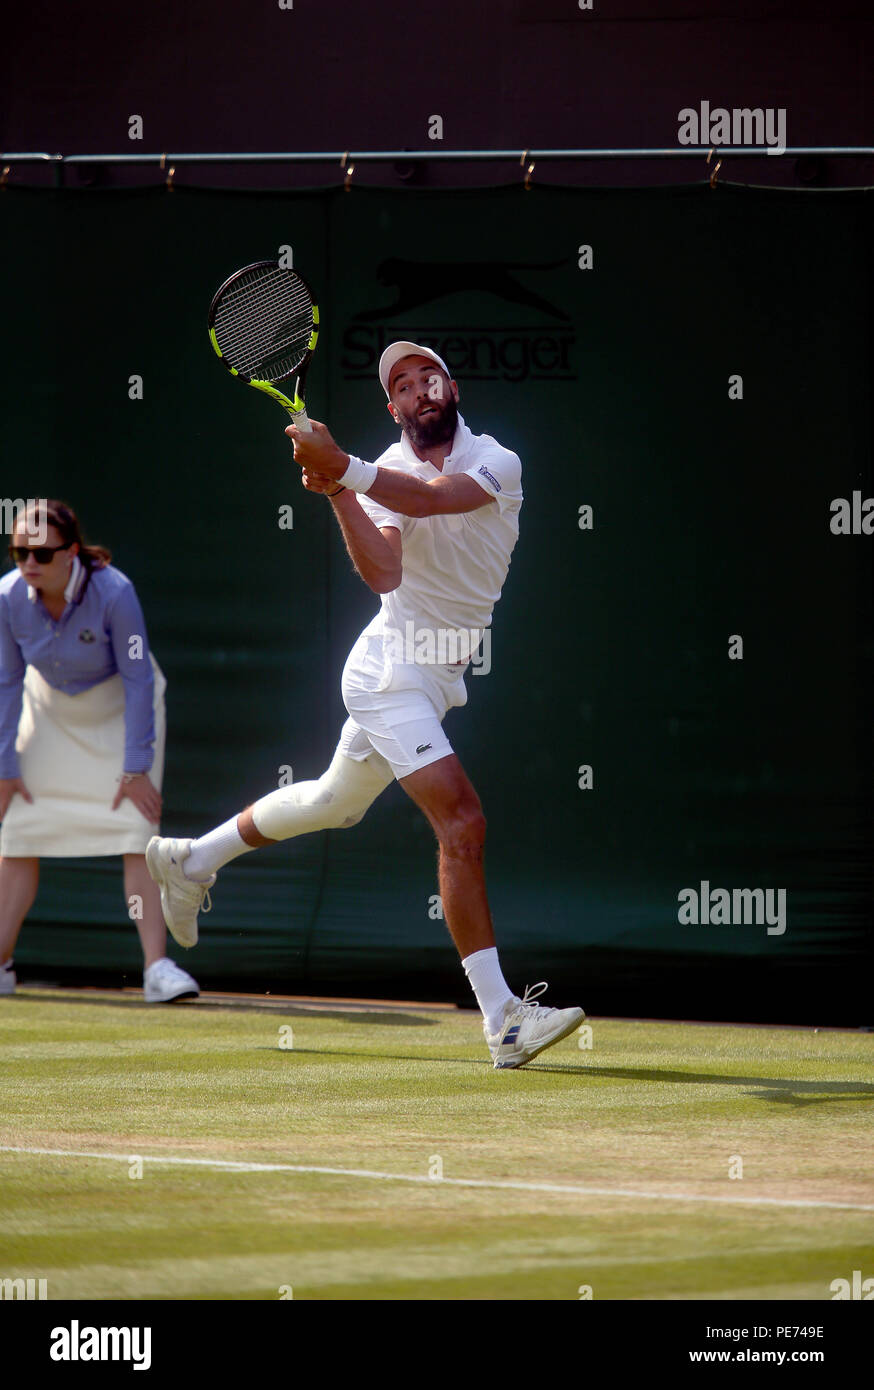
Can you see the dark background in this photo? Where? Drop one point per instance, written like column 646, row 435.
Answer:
column 610, row 647
column 209, row 76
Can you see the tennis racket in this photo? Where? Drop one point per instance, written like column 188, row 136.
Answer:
column 264, row 325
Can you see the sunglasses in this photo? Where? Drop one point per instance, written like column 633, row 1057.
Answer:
column 43, row 554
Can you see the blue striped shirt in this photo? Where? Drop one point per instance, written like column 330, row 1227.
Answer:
column 90, row 642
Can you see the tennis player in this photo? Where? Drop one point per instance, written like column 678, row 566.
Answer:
column 430, row 527
column 81, row 730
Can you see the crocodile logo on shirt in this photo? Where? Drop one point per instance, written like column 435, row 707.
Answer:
column 86, row 635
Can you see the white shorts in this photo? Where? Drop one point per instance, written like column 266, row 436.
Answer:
column 399, row 708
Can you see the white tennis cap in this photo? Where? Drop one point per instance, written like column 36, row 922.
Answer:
column 395, row 351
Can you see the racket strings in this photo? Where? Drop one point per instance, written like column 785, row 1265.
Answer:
column 263, row 323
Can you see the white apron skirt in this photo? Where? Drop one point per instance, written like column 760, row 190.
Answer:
column 71, row 751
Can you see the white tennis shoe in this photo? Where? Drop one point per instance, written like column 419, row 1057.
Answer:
column 8, row 980
column 165, row 981
column 529, row 1028
column 181, row 898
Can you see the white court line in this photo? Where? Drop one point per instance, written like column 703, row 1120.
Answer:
column 232, row 1166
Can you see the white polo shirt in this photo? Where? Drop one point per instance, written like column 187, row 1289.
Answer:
column 454, row 567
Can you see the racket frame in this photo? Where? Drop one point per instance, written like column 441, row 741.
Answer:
column 294, row 405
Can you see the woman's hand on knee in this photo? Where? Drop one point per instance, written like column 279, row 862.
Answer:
column 8, row 787
column 144, row 796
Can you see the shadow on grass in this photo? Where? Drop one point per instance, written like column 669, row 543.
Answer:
column 377, row 1056
column 237, row 1007
column 785, row 1090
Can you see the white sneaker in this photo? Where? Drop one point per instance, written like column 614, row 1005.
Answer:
column 528, row 1028
column 8, row 980
column 181, row 898
column 165, row 980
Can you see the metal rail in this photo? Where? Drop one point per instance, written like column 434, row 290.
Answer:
column 344, row 157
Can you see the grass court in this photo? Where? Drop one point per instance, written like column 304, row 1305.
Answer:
column 603, row 1168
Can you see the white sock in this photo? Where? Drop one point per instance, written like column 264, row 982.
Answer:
column 488, row 984
column 211, row 851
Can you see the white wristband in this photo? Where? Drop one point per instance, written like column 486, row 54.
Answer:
column 359, row 476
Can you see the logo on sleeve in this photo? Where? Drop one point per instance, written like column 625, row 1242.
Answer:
column 491, row 477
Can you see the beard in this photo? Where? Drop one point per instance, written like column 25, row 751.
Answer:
column 435, row 429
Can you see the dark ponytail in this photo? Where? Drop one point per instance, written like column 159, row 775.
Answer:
column 65, row 521
column 56, row 513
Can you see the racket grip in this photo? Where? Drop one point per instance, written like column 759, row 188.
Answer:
column 302, row 420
